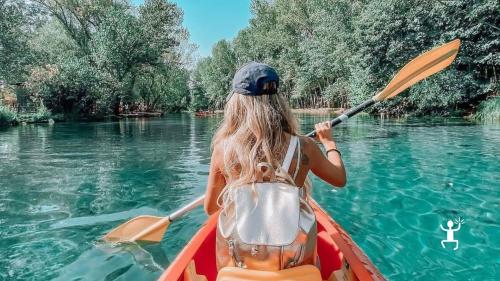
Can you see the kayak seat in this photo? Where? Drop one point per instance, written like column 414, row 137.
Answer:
column 299, row 273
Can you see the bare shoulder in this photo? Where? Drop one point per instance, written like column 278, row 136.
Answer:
column 218, row 148
column 308, row 144
column 218, row 154
column 309, row 149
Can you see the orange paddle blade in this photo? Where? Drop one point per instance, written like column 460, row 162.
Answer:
column 134, row 229
column 420, row 68
column 149, row 228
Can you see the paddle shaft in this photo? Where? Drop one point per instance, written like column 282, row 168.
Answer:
column 175, row 215
column 190, row 206
column 351, row 112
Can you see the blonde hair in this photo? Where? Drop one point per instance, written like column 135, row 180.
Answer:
column 253, row 131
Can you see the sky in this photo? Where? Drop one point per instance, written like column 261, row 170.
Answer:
column 209, row 21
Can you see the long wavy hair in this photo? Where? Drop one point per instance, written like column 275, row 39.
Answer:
column 253, row 131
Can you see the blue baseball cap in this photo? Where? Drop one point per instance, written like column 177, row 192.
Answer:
column 249, row 80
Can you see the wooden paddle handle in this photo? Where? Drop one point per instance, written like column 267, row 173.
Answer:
column 351, row 112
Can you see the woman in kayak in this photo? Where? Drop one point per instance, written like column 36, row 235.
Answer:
column 258, row 141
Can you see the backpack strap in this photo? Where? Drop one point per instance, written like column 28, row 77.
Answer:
column 299, row 156
column 289, row 154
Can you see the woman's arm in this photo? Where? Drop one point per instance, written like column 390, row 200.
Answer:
column 329, row 169
column 216, row 181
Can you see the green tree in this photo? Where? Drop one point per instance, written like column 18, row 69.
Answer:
column 215, row 74
column 340, row 52
column 389, row 33
column 14, row 51
column 93, row 57
column 198, row 96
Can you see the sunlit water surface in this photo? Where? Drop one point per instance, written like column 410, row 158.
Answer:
column 63, row 186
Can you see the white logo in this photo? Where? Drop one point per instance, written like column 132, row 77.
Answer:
column 450, row 232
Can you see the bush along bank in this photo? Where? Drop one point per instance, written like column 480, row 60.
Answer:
column 9, row 117
column 489, row 110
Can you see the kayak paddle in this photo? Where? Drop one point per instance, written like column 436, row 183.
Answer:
column 148, row 228
column 152, row 228
column 416, row 70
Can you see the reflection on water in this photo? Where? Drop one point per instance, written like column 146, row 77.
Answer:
column 64, row 186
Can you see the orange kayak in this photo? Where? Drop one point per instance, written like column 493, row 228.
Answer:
column 341, row 259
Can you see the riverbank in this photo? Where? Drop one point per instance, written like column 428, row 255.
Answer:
column 314, row 111
column 319, row 111
column 488, row 111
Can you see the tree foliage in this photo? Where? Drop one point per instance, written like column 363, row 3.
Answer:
column 7, row 116
column 92, row 58
column 337, row 53
column 14, row 51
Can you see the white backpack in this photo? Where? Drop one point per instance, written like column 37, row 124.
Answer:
column 267, row 225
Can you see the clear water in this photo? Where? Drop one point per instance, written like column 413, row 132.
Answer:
column 64, row 186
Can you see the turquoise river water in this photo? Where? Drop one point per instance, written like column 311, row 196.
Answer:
column 63, row 186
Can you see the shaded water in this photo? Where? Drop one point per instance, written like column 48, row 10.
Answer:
column 64, row 186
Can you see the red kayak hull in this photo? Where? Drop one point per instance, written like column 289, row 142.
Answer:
column 333, row 244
